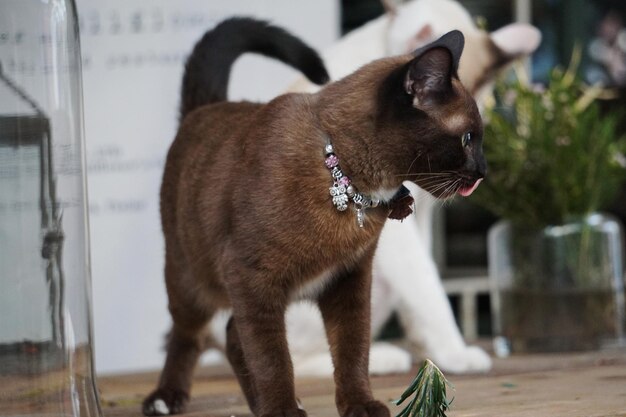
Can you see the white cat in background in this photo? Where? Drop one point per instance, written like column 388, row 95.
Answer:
column 405, row 277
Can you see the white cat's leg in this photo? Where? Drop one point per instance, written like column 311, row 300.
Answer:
column 307, row 340
column 384, row 302
column 310, row 351
column 218, row 329
column 424, row 207
column 305, row 331
column 404, row 261
column 315, row 365
column 386, row 358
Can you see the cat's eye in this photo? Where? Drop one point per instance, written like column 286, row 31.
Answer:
column 466, row 139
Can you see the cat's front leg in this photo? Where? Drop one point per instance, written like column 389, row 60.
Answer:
column 345, row 308
column 257, row 349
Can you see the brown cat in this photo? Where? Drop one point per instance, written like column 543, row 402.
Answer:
column 265, row 203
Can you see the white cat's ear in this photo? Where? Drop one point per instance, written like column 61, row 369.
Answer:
column 390, row 6
column 517, row 39
column 429, row 74
column 423, row 36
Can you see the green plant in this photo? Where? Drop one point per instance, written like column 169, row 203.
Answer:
column 552, row 154
column 429, row 387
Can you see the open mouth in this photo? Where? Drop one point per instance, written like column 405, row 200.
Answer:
column 466, row 191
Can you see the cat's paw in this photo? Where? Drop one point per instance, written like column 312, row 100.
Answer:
column 386, row 359
column 164, row 402
column 370, row 409
column 470, row 359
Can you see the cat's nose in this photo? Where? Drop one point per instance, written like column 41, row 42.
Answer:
column 477, row 166
column 481, row 167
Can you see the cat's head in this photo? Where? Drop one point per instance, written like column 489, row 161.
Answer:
column 449, row 157
column 410, row 118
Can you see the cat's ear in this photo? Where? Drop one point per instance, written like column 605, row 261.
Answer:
column 429, row 75
column 516, row 40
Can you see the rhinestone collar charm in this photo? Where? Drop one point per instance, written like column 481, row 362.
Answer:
column 342, row 190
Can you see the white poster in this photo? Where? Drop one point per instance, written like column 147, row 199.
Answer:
column 133, row 54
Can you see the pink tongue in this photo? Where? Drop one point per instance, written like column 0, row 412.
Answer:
column 465, row 192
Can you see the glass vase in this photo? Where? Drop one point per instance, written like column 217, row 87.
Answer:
column 559, row 288
column 46, row 364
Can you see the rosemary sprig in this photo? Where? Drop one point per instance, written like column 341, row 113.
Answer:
column 429, row 387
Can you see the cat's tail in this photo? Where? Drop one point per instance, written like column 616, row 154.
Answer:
column 208, row 67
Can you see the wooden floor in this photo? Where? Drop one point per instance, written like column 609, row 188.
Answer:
column 567, row 385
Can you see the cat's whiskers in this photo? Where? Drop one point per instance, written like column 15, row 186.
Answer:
column 449, row 192
column 446, row 187
column 435, row 187
column 425, row 182
column 431, row 180
column 454, row 187
column 438, row 186
column 435, row 181
column 427, row 174
column 414, row 160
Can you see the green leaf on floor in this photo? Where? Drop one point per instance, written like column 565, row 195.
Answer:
column 429, row 387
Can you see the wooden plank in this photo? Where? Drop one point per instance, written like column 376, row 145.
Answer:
column 558, row 385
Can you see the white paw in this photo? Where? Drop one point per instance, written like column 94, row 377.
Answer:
column 157, row 408
column 471, row 359
column 386, row 358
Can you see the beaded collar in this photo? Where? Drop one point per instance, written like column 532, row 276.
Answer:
column 343, row 192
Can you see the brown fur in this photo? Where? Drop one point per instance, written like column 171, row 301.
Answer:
column 248, row 223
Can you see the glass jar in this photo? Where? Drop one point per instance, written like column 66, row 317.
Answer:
column 559, row 288
column 46, row 365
